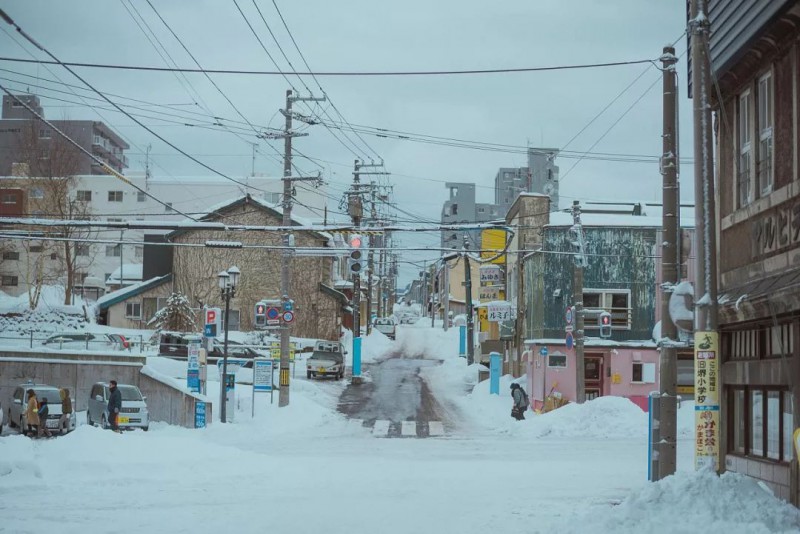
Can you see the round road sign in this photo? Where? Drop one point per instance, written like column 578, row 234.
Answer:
column 568, row 315
column 273, row 313
column 570, row 341
column 288, row 316
column 543, row 351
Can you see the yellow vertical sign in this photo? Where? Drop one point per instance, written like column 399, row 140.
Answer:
column 492, row 242
column 706, row 400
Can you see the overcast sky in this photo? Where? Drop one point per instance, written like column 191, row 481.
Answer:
column 536, row 109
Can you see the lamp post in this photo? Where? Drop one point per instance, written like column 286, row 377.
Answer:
column 228, row 280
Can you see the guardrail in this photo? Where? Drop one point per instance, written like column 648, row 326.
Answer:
column 136, row 344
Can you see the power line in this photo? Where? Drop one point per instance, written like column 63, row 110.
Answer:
column 331, row 73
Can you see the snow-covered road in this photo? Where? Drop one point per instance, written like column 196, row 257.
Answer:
column 309, row 469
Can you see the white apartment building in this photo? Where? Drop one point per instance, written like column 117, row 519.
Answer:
column 111, row 199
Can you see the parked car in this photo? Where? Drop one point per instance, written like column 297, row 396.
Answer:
column 175, row 345
column 133, row 413
column 83, row 340
column 19, row 403
column 1, row 417
column 386, row 326
column 409, row 319
column 326, row 360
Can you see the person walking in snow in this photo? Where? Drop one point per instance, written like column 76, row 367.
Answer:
column 114, row 406
column 520, row 402
column 32, row 414
column 66, row 410
column 44, row 411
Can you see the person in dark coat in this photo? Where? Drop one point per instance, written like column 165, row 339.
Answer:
column 114, row 406
column 44, row 411
column 520, row 402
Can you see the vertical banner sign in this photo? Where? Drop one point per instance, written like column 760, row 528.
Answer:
column 199, row 414
column 193, row 371
column 706, row 387
column 495, row 370
column 462, row 341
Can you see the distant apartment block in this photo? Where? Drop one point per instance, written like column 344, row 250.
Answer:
column 461, row 208
column 17, row 124
column 540, row 176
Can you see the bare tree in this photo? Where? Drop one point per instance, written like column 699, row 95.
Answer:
column 51, row 164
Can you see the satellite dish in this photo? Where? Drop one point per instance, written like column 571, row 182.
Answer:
column 681, row 307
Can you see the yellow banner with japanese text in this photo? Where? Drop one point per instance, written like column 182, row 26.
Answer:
column 706, row 389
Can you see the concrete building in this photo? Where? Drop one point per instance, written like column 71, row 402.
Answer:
column 18, row 127
column 540, row 176
column 461, row 207
column 754, row 51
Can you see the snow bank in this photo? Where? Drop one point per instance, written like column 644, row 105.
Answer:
column 692, row 502
column 420, row 340
column 374, row 347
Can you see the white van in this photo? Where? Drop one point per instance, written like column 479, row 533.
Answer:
column 133, row 413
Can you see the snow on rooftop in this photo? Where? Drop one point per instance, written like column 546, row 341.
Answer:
column 131, row 272
column 124, row 291
column 615, row 219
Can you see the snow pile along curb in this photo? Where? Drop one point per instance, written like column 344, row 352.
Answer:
column 694, row 502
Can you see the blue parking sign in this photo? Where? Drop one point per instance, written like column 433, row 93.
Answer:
column 200, row 414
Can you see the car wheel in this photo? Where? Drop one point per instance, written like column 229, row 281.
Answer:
column 10, row 421
column 146, row 428
column 308, row 375
column 89, row 419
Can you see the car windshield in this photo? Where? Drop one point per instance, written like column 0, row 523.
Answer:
column 130, row 393
column 51, row 394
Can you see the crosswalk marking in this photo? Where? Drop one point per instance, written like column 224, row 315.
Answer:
column 435, row 428
column 409, row 428
column 381, row 428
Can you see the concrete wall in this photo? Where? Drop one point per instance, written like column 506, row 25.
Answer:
column 165, row 401
column 168, row 404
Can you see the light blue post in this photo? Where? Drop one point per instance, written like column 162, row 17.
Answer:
column 356, row 356
column 495, row 368
column 462, row 341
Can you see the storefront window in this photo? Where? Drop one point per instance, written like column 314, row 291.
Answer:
column 788, row 426
column 774, row 425
column 757, row 423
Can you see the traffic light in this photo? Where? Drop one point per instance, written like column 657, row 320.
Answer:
column 604, row 322
column 355, row 260
column 260, row 314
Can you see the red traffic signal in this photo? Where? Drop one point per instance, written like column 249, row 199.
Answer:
column 605, row 320
column 355, row 241
column 261, row 309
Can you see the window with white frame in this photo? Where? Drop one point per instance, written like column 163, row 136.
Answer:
column 617, row 302
column 745, row 149
column 44, row 133
column 9, row 198
column 140, row 196
column 133, row 310
column 9, row 281
column 37, row 193
column 10, row 255
column 81, row 249
column 644, row 373
column 168, row 207
column 113, row 251
column 765, row 120
column 115, row 196
column 138, row 251
column 83, row 196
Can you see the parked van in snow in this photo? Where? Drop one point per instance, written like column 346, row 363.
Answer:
column 133, row 413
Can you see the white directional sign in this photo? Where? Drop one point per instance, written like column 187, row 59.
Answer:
column 491, row 273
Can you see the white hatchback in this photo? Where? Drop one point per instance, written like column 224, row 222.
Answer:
column 19, row 404
column 133, row 413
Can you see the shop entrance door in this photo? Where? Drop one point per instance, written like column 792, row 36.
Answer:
column 593, row 375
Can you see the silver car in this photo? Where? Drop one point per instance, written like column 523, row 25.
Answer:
column 133, row 413
column 19, row 403
column 86, row 340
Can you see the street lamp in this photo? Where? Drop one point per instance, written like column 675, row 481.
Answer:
column 228, row 280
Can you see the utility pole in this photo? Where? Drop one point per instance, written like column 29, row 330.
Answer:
column 577, row 289
column 668, row 361
column 468, row 288
column 286, row 259
column 424, row 288
column 446, row 294
column 371, row 258
column 706, row 320
column 705, row 289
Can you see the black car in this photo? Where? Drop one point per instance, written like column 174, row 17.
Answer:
column 176, row 346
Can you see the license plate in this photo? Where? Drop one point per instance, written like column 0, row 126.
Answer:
column 121, row 419
column 321, row 370
column 52, row 424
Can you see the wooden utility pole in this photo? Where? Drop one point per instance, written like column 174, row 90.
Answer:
column 668, row 363
column 579, row 264
column 468, row 288
column 286, row 259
